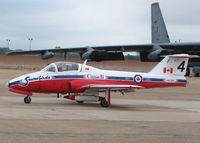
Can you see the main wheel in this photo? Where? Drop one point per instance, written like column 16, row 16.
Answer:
column 104, row 103
column 27, row 99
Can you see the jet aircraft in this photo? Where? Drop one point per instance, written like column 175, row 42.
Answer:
column 84, row 83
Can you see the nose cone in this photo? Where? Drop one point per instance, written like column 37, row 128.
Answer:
column 8, row 84
column 21, row 81
column 12, row 83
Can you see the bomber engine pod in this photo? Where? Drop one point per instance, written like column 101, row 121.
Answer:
column 47, row 55
column 101, row 55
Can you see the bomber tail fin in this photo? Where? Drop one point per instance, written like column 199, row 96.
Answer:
column 172, row 65
column 158, row 28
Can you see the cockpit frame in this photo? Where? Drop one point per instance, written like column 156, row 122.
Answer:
column 62, row 67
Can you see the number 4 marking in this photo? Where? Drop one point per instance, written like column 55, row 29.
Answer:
column 181, row 66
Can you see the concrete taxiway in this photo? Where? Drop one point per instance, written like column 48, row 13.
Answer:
column 152, row 116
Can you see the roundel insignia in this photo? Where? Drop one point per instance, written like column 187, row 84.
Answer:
column 138, row 79
column 24, row 82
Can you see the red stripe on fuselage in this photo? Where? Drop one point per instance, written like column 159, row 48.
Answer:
column 79, row 85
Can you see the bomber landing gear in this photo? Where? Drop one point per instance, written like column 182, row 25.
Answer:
column 27, row 99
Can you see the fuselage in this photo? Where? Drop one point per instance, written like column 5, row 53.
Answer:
column 75, row 78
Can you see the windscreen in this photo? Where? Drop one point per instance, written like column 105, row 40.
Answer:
column 67, row 67
column 51, row 68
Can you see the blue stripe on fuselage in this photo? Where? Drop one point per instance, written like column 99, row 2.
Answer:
column 119, row 78
column 181, row 80
column 154, row 79
column 131, row 78
column 67, row 76
column 144, row 79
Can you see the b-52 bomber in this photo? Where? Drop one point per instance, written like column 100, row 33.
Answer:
column 160, row 46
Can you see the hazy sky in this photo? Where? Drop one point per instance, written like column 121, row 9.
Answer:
column 74, row 23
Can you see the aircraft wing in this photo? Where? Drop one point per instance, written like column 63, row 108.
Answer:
column 100, row 87
column 187, row 47
column 124, row 48
column 190, row 46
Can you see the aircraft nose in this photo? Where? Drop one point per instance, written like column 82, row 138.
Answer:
column 8, row 84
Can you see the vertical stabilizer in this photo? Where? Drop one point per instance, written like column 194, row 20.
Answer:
column 158, row 28
column 172, row 65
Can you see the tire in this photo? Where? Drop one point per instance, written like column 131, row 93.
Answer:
column 104, row 103
column 27, row 100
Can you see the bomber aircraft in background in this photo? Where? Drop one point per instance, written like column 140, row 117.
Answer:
column 83, row 83
column 160, row 45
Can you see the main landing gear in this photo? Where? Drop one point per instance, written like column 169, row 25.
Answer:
column 27, row 100
column 105, row 101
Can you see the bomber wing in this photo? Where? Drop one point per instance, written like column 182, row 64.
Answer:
column 182, row 47
column 190, row 46
column 148, row 52
column 124, row 48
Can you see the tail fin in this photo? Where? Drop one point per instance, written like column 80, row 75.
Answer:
column 158, row 28
column 172, row 65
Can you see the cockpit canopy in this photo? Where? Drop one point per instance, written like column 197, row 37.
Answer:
column 61, row 67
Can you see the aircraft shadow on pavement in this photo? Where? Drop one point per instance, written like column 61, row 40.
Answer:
column 92, row 106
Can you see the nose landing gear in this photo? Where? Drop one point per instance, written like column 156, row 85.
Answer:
column 27, row 100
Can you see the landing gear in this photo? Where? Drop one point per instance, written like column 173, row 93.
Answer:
column 58, row 95
column 196, row 71
column 105, row 101
column 27, row 99
column 187, row 72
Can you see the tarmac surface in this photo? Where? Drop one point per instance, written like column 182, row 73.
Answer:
column 166, row 115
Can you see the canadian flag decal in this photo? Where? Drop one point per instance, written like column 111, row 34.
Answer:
column 168, row 70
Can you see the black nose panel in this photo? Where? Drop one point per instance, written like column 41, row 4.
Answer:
column 9, row 84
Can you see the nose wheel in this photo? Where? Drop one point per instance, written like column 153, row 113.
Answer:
column 27, row 99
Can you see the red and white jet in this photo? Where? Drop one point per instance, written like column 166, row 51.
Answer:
column 81, row 82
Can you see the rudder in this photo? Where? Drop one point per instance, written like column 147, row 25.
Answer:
column 158, row 27
column 172, row 65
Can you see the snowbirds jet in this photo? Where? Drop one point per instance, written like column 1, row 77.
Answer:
column 82, row 83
